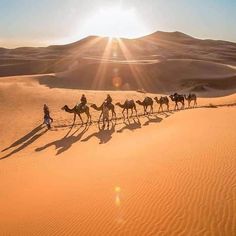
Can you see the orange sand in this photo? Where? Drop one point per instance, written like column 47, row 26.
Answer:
column 169, row 174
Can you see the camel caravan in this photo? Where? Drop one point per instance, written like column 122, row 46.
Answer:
column 129, row 105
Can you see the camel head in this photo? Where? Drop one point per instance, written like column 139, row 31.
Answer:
column 64, row 107
column 93, row 106
column 139, row 102
column 156, row 99
column 172, row 97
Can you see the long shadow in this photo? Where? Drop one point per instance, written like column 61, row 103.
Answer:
column 156, row 119
column 130, row 126
column 104, row 135
column 66, row 142
column 24, row 138
column 24, row 145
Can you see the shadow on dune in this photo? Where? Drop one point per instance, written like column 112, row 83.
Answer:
column 25, row 141
column 156, row 119
column 130, row 125
column 24, row 138
column 66, row 142
column 104, row 135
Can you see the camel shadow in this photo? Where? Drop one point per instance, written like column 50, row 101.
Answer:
column 25, row 141
column 156, row 119
column 104, row 135
column 66, row 142
column 130, row 126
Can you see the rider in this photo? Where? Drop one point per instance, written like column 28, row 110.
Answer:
column 83, row 101
column 108, row 100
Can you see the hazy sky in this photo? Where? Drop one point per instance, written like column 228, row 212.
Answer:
column 44, row 22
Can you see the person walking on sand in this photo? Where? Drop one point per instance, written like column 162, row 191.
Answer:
column 47, row 118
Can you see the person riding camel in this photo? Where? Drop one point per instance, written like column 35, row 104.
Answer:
column 83, row 102
column 108, row 100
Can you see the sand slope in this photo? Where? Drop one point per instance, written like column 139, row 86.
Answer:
column 144, row 63
column 169, row 174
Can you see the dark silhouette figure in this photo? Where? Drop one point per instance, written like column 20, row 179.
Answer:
column 108, row 100
column 162, row 101
column 78, row 111
column 146, row 103
column 128, row 105
column 191, row 97
column 47, row 118
column 177, row 98
column 83, row 102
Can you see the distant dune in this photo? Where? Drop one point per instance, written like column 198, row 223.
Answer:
column 160, row 62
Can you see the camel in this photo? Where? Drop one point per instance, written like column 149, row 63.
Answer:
column 177, row 98
column 78, row 111
column 191, row 97
column 146, row 103
column 162, row 101
column 128, row 104
column 100, row 108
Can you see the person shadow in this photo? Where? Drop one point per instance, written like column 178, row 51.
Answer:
column 156, row 119
column 66, row 142
column 130, row 126
column 25, row 141
column 103, row 135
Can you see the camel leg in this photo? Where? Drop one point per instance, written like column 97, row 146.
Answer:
column 136, row 111
column 88, row 117
column 127, row 113
column 132, row 111
column 74, row 120
column 81, row 119
column 123, row 113
column 99, row 117
column 167, row 107
column 195, row 102
column 113, row 114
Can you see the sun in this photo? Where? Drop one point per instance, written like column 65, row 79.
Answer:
column 114, row 22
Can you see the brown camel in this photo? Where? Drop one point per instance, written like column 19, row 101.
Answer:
column 191, row 97
column 104, row 114
column 177, row 98
column 128, row 105
column 78, row 111
column 146, row 103
column 162, row 101
column 110, row 107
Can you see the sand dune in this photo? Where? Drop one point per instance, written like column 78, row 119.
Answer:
column 147, row 63
column 167, row 174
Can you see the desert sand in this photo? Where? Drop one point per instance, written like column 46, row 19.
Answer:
column 171, row 173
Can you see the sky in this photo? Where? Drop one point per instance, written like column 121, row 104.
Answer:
column 47, row 22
